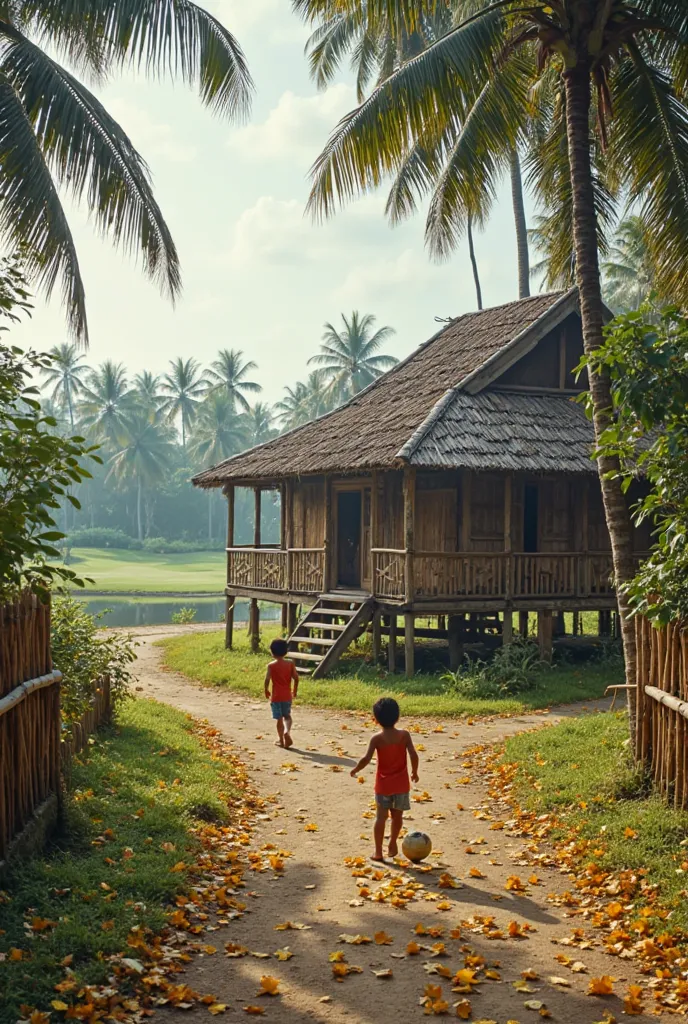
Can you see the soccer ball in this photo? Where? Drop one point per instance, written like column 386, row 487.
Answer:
column 416, row 846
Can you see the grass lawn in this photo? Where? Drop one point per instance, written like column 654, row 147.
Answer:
column 585, row 776
column 357, row 685
column 132, row 572
column 90, row 884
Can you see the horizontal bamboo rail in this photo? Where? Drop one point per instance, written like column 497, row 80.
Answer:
column 661, row 734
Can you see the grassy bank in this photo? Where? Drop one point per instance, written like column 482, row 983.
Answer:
column 131, row 572
column 137, row 793
column 357, row 684
column 581, row 771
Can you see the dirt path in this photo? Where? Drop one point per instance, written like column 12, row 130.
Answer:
column 318, row 889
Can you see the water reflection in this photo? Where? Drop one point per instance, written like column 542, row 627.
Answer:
column 130, row 611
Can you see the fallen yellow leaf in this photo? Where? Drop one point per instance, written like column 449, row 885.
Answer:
column 269, row 986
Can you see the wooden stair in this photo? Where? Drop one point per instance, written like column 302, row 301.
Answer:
column 328, row 629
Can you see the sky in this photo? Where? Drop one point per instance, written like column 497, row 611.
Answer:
column 258, row 274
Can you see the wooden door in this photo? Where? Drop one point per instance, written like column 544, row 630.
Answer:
column 436, row 521
column 349, row 538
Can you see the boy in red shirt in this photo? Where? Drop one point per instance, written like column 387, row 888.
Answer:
column 278, row 690
column 392, row 784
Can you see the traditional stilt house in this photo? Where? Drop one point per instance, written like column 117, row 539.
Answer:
column 458, row 485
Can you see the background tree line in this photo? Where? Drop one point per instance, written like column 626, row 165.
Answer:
column 155, row 431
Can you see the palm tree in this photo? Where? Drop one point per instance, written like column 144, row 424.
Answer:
column 350, row 358
column 147, row 388
column 483, row 76
column 305, row 401
column 218, row 432
column 56, row 134
column 260, row 423
column 229, row 372
column 144, row 457
column 64, row 376
column 629, row 270
column 107, row 403
column 184, row 387
column 375, row 54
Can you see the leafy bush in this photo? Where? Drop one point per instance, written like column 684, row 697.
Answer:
column 183, row 616
column 160, row 546
column 514, row 669
column 83, row 656
column 37, row 469
column 100, row 537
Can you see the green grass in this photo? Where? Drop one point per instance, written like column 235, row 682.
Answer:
column 131, row 572
column 357, row 685
column 588, row 779
column 112, row 783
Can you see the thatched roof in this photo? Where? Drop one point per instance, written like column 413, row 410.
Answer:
column 370, row 430
column 504, row 431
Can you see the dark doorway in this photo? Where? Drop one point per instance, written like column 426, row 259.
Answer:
column 530, row 518
column 349, row 539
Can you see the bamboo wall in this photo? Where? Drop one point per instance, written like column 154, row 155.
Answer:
column 662, row 706
column 29, row 719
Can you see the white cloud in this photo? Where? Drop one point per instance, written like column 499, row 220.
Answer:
column 151, row 138
column 273, row 19
column 297, row 128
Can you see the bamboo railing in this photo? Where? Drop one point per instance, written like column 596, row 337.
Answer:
column 662, row 706
column 29, row 715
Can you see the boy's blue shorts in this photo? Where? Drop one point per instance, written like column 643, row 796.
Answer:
column 280, row 709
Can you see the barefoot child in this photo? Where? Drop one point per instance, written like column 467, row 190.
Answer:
column 392, row 785
column 278, row 690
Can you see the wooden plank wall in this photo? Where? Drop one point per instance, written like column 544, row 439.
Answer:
column 308, row 523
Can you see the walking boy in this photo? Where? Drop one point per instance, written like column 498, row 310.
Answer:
column 392, row 785
column 278, row 690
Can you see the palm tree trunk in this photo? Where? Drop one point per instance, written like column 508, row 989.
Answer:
column 521, row 227
column 577, row 85
column 210, row 515
column 474, row 262
column 139, row 509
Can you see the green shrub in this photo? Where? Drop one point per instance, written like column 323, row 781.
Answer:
column 83, row 656
column 161, row 546
column 515, row 668
column 183, row 616
column 100, row 537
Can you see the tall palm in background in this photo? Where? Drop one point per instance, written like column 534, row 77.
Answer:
column 228, row 372
column 147, row 386
column 65, row 376
column 350, row 358
column 260, row 426
column 378, row 46
column 144, row 456
column 106, row 403
column 218, row 432
column 55, row 134
column 484, row 76
column 183, row 388
column 305, row 401
column 629, row 270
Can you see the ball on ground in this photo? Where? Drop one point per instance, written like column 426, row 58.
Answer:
column 416, row 846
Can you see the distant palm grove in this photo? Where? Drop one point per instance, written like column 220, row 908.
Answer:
column 156, row 431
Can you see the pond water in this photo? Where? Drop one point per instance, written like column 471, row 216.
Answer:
column 145, row 611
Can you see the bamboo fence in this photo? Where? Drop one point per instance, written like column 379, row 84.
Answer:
column 29, row 715
column 35, row 750
column 662, row 706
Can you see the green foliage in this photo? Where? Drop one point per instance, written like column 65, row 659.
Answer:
column 350, row 359
column 646, row 356
column 513, row 670
column 183, row 616
column 57, row 135
column 100, row 537
column 111, row 783
column 84, row 656
column 37, row 469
